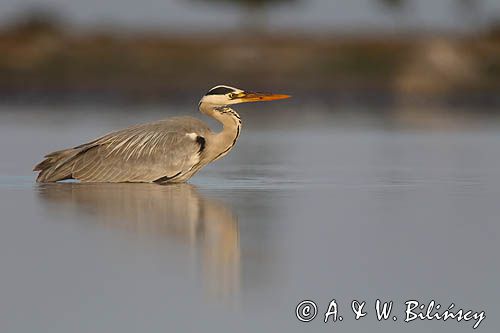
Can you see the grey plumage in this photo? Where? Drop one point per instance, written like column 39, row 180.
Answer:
column 143, row 153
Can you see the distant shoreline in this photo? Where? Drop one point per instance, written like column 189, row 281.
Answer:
column 42, row 64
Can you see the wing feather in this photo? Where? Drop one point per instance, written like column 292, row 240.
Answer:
column 142, row 153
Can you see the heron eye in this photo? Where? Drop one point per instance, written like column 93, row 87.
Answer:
column 233, row 95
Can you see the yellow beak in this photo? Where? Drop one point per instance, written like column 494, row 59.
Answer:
column 260, row 97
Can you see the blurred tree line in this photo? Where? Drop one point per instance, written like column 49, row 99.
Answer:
column 254, row 12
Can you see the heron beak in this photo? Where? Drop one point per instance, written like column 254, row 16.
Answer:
column 260, row 97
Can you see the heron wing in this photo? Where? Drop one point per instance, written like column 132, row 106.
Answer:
column 143, row 153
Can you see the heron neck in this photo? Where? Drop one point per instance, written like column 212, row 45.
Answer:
column 224, row 140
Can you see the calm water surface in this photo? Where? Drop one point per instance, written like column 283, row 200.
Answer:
column 339, row 207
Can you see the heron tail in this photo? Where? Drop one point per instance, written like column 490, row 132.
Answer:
column 56, row 166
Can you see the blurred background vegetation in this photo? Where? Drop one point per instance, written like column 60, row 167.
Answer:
column 45, row 58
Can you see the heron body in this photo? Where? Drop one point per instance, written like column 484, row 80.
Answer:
column 165, row 151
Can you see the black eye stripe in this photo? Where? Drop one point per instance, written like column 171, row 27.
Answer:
column 220, row 91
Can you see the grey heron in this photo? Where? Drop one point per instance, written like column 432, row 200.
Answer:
column 165, row 151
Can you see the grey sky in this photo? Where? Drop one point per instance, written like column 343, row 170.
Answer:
column 308, row 15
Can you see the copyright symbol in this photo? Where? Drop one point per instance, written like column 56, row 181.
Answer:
column 306, row 311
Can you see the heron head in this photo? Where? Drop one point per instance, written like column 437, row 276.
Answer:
column 225, row 95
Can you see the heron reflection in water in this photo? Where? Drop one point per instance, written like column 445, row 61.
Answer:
column 176, row 212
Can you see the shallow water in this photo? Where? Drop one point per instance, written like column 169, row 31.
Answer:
column 324, row 207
